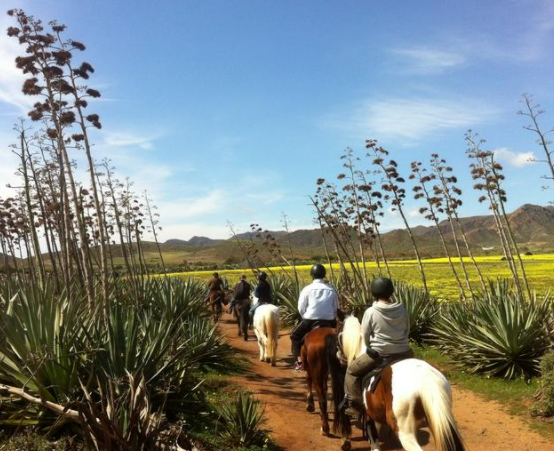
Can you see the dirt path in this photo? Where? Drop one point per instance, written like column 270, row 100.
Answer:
column 485, row 425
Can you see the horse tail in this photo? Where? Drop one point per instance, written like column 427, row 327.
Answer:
column 351, row 338
column 272, row 331
column 341, row 422
column 437, row 403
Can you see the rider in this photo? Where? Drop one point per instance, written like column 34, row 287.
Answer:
column 385, row 330
column 241, row 292
column 318, row 302
column 215, row 283
column 263, row 292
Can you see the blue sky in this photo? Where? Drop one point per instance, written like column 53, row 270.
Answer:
column 231, row 110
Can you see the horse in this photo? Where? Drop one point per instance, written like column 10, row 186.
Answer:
column 215, row 302
column 316, row 361
column 266, row 328
column 241, row 308
column 409, row 392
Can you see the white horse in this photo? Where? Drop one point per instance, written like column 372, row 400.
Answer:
column 409, row 392
column 266, row 328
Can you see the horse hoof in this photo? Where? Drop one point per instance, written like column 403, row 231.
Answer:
column 310, row 408
column 272, row 363
column 245, row 338
column 346, row 446
column 325, row 432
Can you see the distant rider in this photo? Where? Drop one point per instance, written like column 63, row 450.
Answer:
column 263, row 292
column 216, row 290
column 241, row 292
column 385, row 330
column 318, row 303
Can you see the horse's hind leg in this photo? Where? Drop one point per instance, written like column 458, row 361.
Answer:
column 310, row 407
column 407, row 429
column 321, row 390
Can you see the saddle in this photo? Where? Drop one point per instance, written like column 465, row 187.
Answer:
column 371, row 379
column 323, row 323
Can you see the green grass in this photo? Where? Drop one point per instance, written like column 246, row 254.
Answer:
column 440, row 280
column 515, row 395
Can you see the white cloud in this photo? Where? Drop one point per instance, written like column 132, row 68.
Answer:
column 125, row 139
column 516, row 159
column 411, row 119
column 424, row 60
column 186, row 208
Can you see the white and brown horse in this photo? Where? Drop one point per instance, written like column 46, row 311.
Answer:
column 409, row 392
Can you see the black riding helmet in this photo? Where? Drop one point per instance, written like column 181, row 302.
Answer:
column 381, row 287
column 318, row 271
column 262, row 276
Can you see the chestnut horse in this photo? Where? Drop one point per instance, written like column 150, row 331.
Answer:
column 317, row 357
column 409, row 392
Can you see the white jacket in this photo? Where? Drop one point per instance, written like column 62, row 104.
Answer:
column 319, row 300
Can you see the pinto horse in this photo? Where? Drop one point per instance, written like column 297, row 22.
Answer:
column 409, row 392
column 266, row 328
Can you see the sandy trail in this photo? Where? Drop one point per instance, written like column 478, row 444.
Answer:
column 484, row 425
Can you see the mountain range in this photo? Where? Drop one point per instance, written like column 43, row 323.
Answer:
column 533, row 227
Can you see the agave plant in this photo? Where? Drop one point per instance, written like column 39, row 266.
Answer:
column 43, row 349
column 286, row 292
column 240, row 421
column 498, row 334
column 422, row 310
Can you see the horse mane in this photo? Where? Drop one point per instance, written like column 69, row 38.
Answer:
column 352, row 341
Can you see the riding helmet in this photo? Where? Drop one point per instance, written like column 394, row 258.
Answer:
column 318, row 271
column 262, row 275
column 381, row 287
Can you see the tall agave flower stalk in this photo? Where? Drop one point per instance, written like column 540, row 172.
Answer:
column 450, row 194
column 489, row 175
column 434, row 207
column 533, row 111
column 392, row 185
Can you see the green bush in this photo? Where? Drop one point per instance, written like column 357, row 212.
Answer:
column 422, row 310
column 240, row 422
column 544, row 405
column 497, row 334
column 286, row 293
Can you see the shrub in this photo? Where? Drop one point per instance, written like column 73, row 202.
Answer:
column 240, row 421
column 422, row 310
column 498, row 334
column 286, row 293
column 544, row 405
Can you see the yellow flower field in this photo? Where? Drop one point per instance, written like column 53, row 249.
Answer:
column 441, row 282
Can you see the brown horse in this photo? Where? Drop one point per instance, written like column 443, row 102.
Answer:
column 241, row 308
column 317, row 358
column 215, row 301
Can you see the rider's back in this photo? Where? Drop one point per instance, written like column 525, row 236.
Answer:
column 318, row 300
column 386, row 328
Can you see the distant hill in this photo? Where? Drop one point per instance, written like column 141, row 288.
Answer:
column 194, row 241
column 533, row 226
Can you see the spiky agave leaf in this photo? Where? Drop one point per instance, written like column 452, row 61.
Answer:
column 498, row 334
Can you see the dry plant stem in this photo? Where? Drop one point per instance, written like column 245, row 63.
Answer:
column 511, row 233
column 153, row 225
column 325, row 246
column 27, row 190
column 432, row 215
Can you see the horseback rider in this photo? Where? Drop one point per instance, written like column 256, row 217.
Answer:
column 216, row 290
column 385, row 331
column 318, row 303
column 241, row 292
column 263, row 292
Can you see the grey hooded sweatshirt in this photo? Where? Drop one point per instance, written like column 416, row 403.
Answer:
column 385, row 328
